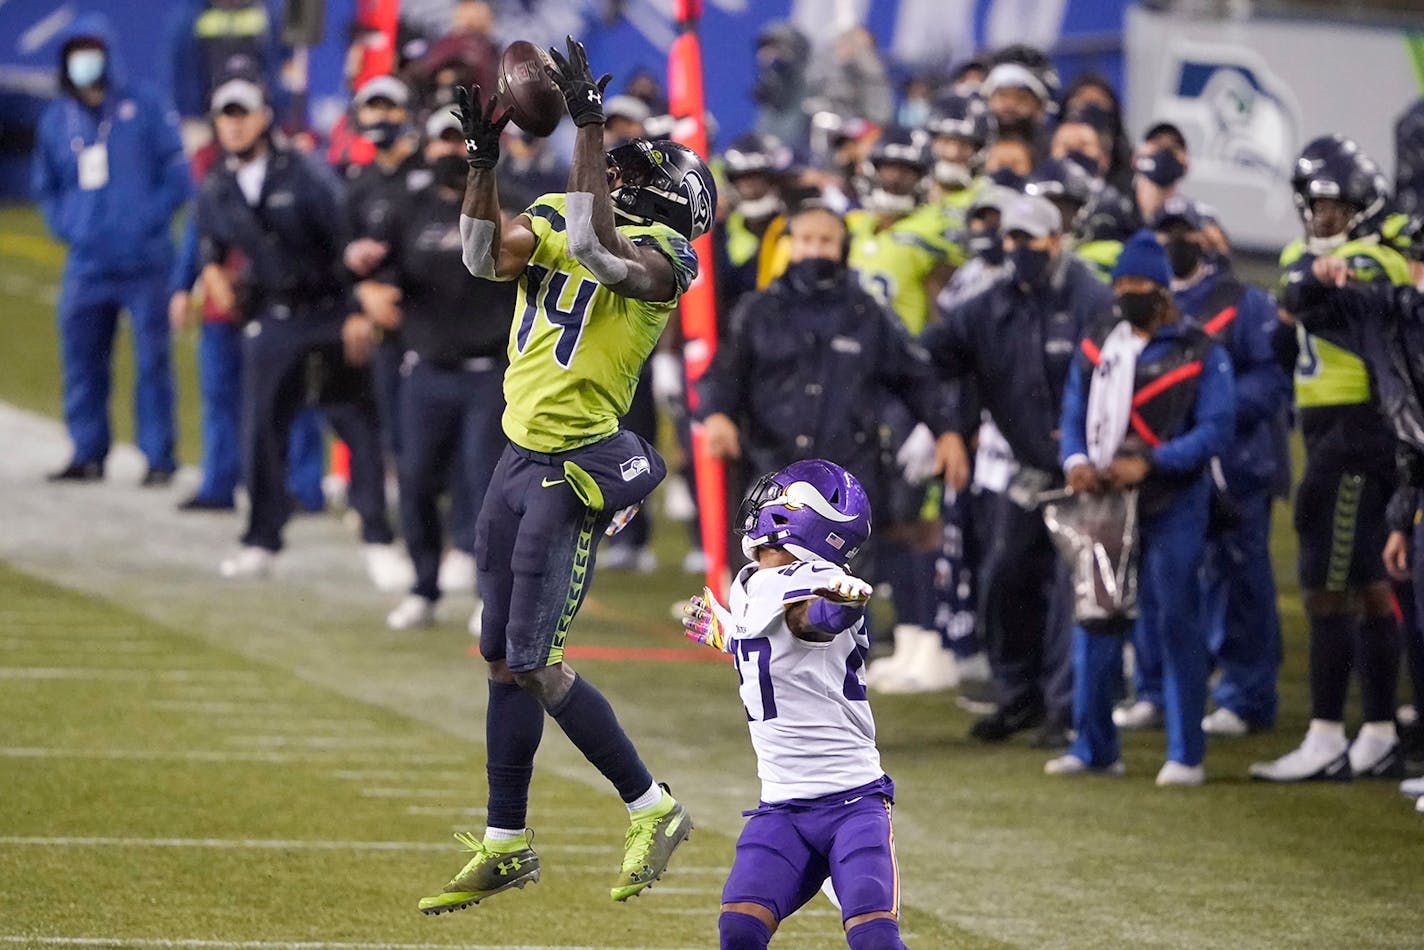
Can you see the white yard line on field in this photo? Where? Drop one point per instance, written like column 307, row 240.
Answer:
column 210, row 755
column 127, row 676
column 179, row 943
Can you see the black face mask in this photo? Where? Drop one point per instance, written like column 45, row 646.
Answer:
column 1086, row 162
column 1008, row 178
column 1138, row 309
column 987, row 245
column 385, row 133
column 1014, row 126
column 815, row 275
column 1030, row 266
column 1161, row 167
column 1184, row 256
column 450, row 171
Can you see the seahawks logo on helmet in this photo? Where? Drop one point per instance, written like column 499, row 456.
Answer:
column 699, row 200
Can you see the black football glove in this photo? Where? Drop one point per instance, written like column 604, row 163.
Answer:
column 582, row 93
column 481, row 129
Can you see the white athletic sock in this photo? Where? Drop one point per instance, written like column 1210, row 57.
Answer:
column 1379, row 730
column 502, row 834
column 1325, row 729
column 648, row 799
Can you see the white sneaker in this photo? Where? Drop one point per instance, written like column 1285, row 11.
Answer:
column 931, row 671
column 1319, row 757
column 1175, row 773
column 1375, row 757
column 1419, row 806
column 249, row 562
column 974, row 669
column 1413, row 787
column 1072, row 765
column 388, row 567
column 476, row 623
column 1224, row 722
column 910, row 644
column 457, row 572
column 413, row 611
column 1138, row 715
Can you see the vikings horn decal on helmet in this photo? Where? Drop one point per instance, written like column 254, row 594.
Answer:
column 813, row 508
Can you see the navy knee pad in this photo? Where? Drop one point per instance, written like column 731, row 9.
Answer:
column 741, row 931
column 881, row 933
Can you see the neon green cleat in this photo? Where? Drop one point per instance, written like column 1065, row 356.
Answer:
column 497, row 866
column 653, row 834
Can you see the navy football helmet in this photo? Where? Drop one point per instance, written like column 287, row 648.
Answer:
column 666, row 182
column 1333, row 166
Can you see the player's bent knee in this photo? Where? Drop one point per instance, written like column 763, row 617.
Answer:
column 1377, row 600
column 548, row 684
column 499, row 671
column 1326, row 603
column 879, row 931
column 748, row 927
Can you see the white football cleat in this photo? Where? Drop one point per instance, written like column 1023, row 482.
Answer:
column 1375, row 757
column 457, row 572
column 1224, row 722
column 476, row 623
column 1413, row 787
column 248, row 563
column 1138, row 715
column 413, row 611
column 1072, row 765
column 1319, row 757
column 1175, row 773
column 932, row 671
column 388, row 567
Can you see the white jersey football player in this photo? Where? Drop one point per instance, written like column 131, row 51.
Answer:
column 796, row 629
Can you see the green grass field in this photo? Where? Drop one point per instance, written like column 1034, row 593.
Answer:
column 188, row 764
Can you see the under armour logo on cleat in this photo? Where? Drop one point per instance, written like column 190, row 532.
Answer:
column 513, row 864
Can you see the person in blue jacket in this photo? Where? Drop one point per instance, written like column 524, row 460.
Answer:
column 1151, row 400
column 1243, row 628
column 109, row 173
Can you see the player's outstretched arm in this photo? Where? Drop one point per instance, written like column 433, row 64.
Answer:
column 835, row 608
column 594, row 240
column 490, row 251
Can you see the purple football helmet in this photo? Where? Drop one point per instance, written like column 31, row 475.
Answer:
column 813, row 508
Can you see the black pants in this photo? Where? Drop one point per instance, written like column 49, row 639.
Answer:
column 292, row 360
column 1024, row 623
column 449, row 435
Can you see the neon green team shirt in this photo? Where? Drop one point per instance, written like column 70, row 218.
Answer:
column 894, row 262
column 576, row 347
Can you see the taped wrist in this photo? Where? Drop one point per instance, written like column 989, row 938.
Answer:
column 830, row 617
column 606, row 267
column 477, row 237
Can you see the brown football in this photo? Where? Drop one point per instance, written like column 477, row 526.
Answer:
column 526, row 89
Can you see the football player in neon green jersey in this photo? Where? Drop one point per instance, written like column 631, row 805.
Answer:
column 899, row 246
column 600, row 270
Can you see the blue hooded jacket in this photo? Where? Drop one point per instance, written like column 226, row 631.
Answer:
column 122, row 227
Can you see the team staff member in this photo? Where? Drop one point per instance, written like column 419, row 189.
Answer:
column 108, row 174
column 1243, row 629
column 1341, row 502
column 596, row 288
column 1150, row 403
column 455, row 328
column 279, row 208
column 1011, row 348
column 382, row 109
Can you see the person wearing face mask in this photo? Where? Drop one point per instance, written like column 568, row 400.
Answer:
column 1008, row 160
column 280, row 210
column 108, row 173
column 1239, row 590
column 382, row 111
column 1010, row 349
column 1019, row 101
column 1158, row 167
column 454, row 330
column 959, row 130
column 755, row 165
column 1150, row 401
column 1341, row 508
column 809, row 361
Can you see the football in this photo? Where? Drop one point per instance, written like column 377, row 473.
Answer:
column 526, row 89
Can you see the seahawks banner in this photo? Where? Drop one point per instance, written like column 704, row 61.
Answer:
column 1248, row 94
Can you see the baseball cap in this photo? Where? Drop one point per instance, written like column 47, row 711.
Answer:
column 1032, row 214
column 1013, row 76
column 441, row 120
column 1165, row 128
column 239, row 92
column 382, row 87
column 1178, row 208
column 626, row 107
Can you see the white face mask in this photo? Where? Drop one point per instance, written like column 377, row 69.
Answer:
column 881, row 200
column 953, row 175
column 85, row 67
column 758, row 208
column 1324, row 245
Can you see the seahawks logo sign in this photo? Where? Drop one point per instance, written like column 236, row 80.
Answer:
column 699, row 202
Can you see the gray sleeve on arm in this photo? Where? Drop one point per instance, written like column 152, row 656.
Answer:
column 476, row 237
column 606, row 267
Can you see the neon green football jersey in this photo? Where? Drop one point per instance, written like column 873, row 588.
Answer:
column 576, row 347
column 893, row 263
